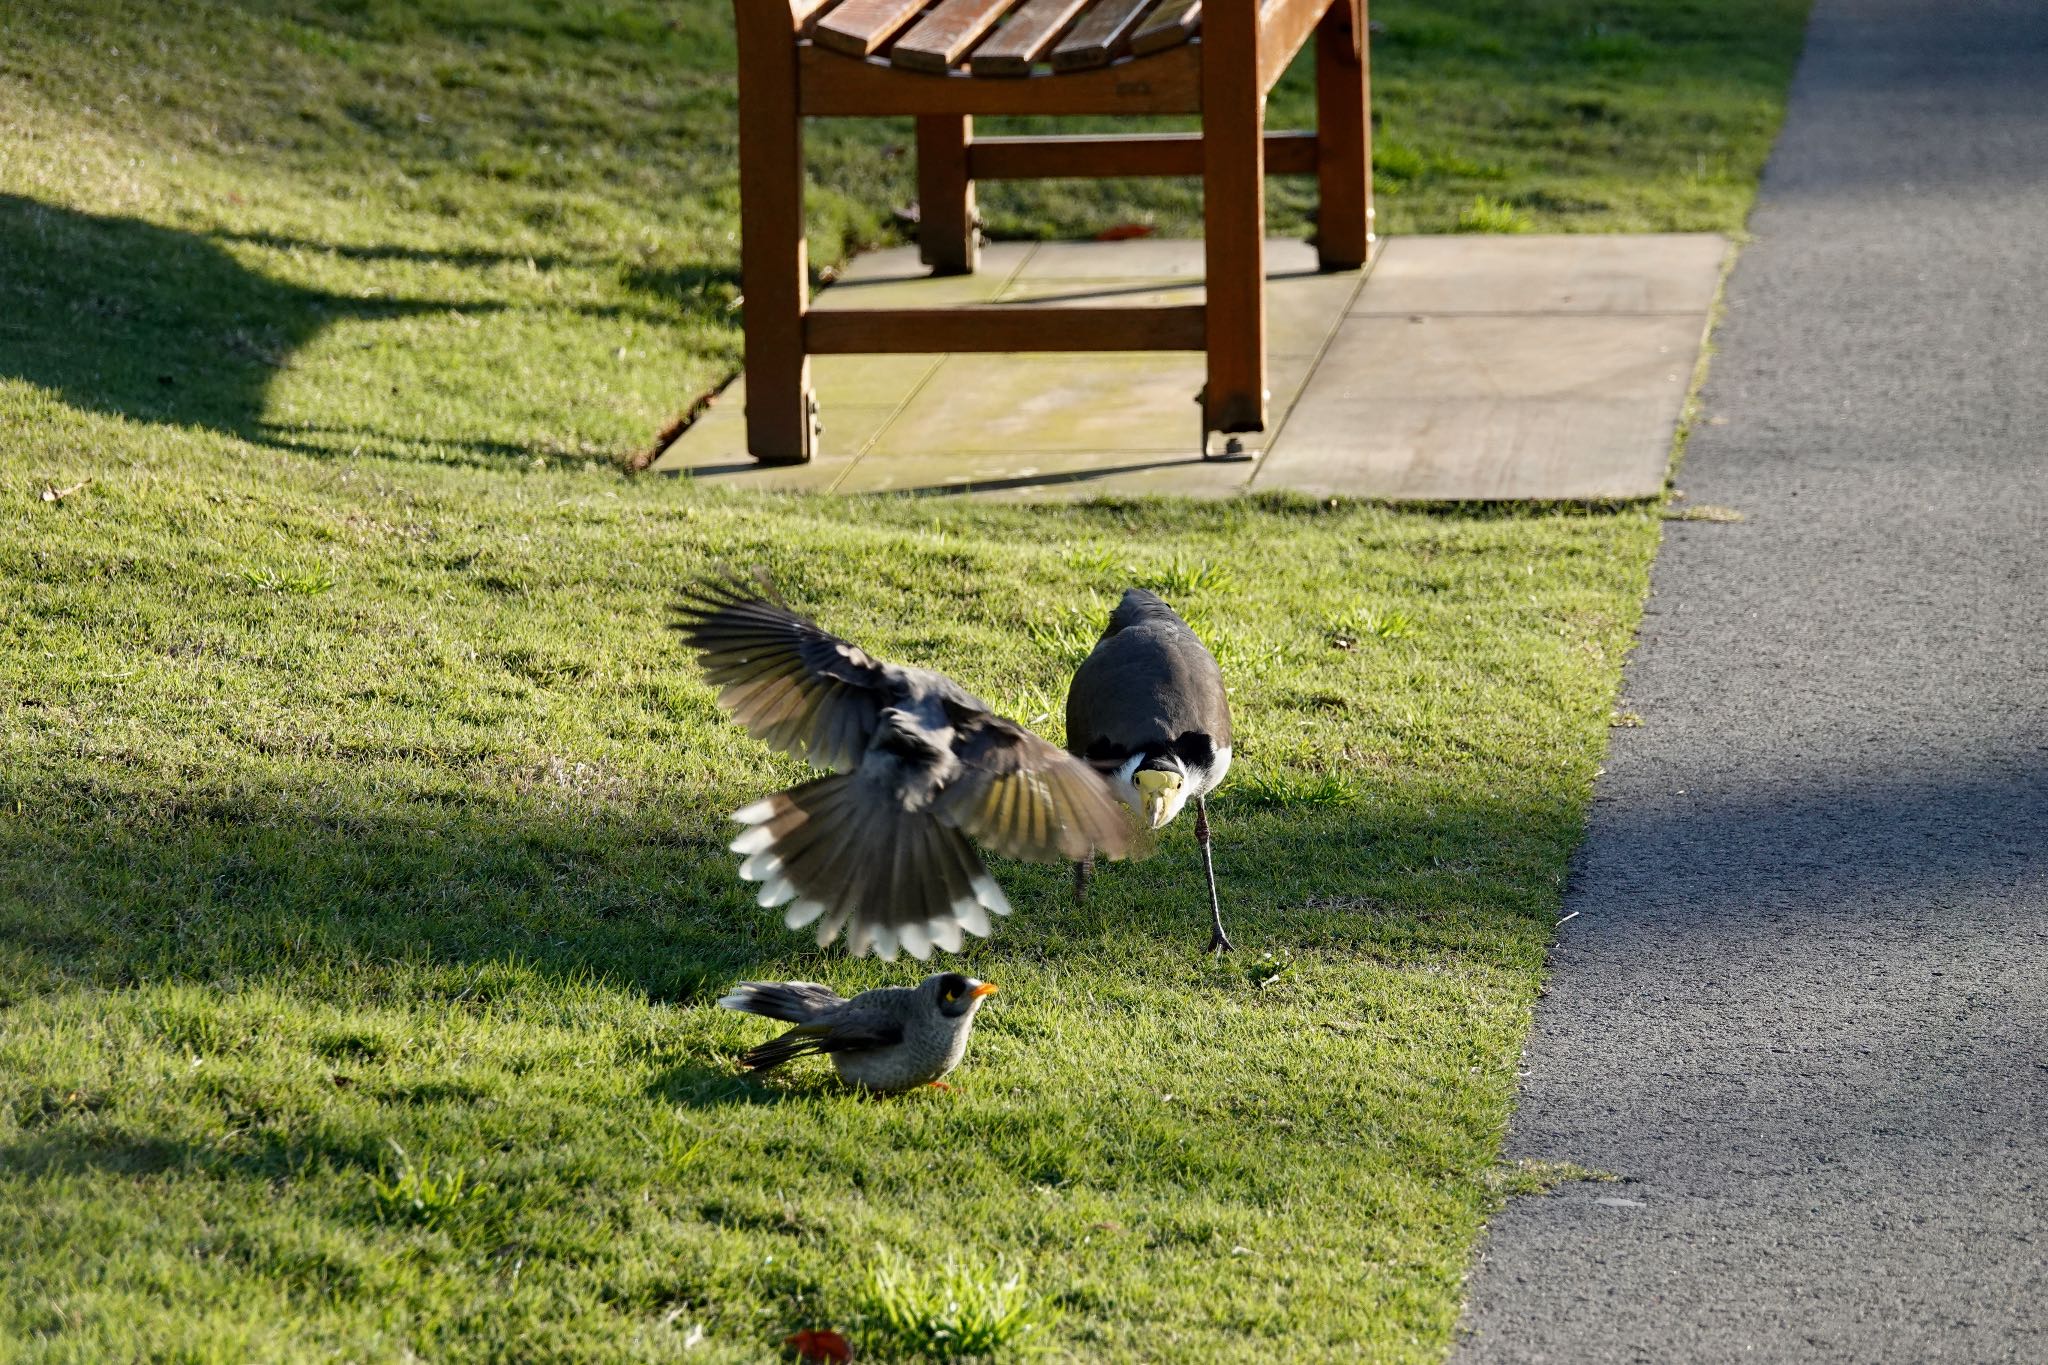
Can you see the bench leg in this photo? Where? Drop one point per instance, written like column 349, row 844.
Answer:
column 1344, row 222
column 1234, row 218
column 774, row 265
column 946, row 239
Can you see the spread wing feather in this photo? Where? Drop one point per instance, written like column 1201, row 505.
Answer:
column 862, row 851
column 796, row 687
column 1023, row 798
column 842, row 858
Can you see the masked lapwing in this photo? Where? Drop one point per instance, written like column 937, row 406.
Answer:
column 1148, row 711
column 880, row 848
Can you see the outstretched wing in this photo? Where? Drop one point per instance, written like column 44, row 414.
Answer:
column 1021, row 797
column 795, row 687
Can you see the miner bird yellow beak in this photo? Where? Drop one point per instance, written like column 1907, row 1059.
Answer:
column 985, row 988
column 1157, row 786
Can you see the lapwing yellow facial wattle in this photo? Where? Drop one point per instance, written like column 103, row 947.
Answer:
column 879, row 848
column 1148, row 711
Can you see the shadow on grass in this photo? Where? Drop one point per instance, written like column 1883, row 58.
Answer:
column 471, row 896
column 330, row 440
column 266, row 1154
column 704, row 1085
column 448, row 894
column 385, row 251
column 119, row 316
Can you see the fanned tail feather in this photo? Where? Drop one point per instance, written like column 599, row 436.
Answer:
column 793, row 1002
column 787, row 1047
column 848, row 859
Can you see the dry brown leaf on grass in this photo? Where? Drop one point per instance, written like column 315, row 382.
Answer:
column 812, row 1344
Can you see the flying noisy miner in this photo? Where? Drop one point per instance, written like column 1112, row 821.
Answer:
column 891, row 1038
column 880, row 847
column 1147, row 710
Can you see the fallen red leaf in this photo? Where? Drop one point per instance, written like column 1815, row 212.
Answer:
column 1123, row 232
column 811, row 1344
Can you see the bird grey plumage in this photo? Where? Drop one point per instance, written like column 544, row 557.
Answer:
column 892, row 1038
column 1147, row 709
column 879, row 848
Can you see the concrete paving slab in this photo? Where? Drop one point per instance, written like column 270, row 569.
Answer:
column 849, row 381
column 999, row 260
column 1150, row 257
column 1460, row 367
column 1026, row 407
column 1029, row 405
column 943, row 291
column 1052, row 476
column 1491, row 406
column 1471, row 448
column 1605, row 359
column 1301, row 310
column 1103, row 293
column 1651, row 273
column 1188, row 477
column 717, row 449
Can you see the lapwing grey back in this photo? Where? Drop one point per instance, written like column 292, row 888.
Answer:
column 1148, row 681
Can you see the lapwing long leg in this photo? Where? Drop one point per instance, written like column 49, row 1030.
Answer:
column 1082, row 871
column 1219, row 942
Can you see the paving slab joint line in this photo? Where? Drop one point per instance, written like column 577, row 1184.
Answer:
column 1322, row 351
column 867, row 447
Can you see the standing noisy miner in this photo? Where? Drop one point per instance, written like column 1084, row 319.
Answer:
column 892, row 1038
column 880, row 848
column 1148, row 711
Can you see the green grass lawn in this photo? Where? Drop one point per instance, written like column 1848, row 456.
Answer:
column 362, row 882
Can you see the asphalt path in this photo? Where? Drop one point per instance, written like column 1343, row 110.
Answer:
column 1803, row 1007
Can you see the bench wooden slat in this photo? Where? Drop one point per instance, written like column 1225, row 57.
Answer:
column 1284, row 26
column 1168, row 82
column 943, row 36
column 1101, row 34
column 1173, row 22
column 806, row 13
column 1089, row 155
column 1024, row 38
column 988, row 327
column 861, row 28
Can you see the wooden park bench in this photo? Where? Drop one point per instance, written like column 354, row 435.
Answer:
column 945, row 61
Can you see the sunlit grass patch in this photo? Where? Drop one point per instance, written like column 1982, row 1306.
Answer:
column 960, row 1311
column 1484, row 214
column 426, row 1190
column 1368, row 623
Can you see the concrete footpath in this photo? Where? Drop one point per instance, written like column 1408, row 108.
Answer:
column 1457, row 367
column 1803, row 1009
